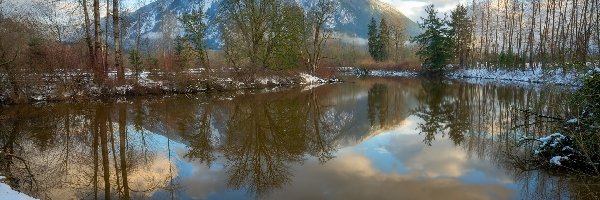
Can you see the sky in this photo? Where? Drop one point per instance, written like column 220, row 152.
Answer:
column 415, row 9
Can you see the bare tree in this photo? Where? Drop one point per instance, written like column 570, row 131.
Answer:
column 117, row 41
column 98, row 72
column 319, row 14
column 88, row 37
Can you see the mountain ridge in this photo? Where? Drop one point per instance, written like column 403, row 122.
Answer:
column 351, row 18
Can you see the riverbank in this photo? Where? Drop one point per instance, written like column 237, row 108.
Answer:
column 535, row 76
column 80, row 86
column 75, row 87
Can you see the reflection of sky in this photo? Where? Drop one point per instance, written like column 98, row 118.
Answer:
column 391, row 165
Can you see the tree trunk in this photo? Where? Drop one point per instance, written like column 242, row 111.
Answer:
column 99, row 76
column 106, row 47
column 117, row 40
column 88, row 37
column 123, row 149
column 104, row 148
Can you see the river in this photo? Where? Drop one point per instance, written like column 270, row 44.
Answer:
column 367, row 138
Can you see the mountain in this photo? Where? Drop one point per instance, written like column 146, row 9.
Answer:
column 351, row 18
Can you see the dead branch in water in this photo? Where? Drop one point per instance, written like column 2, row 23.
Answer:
column 10, row 155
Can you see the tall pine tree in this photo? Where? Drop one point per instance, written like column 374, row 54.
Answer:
column 373, row 39
column 461, row 29
column 195, row 32
column 435, row 43
column 383, row 41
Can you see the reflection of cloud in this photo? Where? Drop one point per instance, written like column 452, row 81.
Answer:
column 354, row 177
column 437, row 171
column 204, row 181
column 153, row 177
column 440, row 159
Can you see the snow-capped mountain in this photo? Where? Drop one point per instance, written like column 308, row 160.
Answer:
column 351, row 18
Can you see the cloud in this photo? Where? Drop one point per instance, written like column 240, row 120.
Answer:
column 415, row 9
column 354, row 176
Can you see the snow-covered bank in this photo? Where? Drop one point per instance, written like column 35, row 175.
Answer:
column 8, row 193
column 537, row 75
column 376, row 73
column 153, row 83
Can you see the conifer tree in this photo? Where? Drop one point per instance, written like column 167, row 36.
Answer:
column 461, row 29
column 383, row 41
column 195, row 32
column 373, row 39
column 435, row 43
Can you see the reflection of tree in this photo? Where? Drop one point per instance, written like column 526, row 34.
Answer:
column 79, row 150
column 266, row 134
column 442, row 112
column 262, row 138
column 378, row 104
column 201, row 145
column 434, row 110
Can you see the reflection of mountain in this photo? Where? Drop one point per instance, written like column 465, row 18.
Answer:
column 378, row 105
column 259, row 136
column 372, row 108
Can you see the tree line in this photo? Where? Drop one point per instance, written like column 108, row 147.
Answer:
column 386, row 41
column 514, row 34
column 64, row 47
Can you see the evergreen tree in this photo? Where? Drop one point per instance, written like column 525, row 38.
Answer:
column 195, row 30
column 184, row 53
column 373, row 39
column 461, row 30
column 435, row 43
column 287, row 40
column 135, row 59
column 383, row 41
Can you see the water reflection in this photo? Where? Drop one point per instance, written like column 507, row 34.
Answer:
column 372, row 138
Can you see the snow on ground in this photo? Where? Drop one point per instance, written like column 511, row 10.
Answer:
column 265, row 81
column 8, row 193
column 537, row 75
column 123, row 89
column 389, row 73
column 310, row 79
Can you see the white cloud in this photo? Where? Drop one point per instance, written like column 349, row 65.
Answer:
column 415, row 9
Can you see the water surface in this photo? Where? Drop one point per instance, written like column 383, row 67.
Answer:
column 373, row 138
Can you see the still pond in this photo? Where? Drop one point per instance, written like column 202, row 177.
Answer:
column 371, row 138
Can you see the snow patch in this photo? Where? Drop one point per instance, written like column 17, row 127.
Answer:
column 310, row 79
column 389, row 73
column 536, row 75
column 39, row 98
column 556, row 160
column 8, row 193
column 123, row 89
column 552, row 140
column 572, row 121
